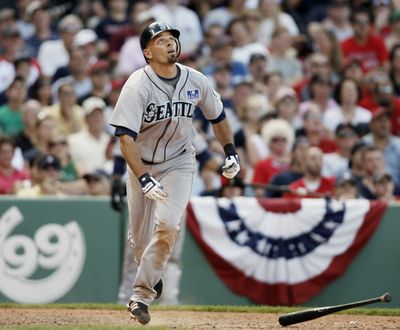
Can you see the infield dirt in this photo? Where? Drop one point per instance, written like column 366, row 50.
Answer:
column 10, row 317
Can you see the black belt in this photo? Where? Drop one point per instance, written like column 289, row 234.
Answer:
column 146, row 162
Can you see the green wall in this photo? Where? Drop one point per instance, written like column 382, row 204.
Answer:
column 99, row 279
column 374, row 271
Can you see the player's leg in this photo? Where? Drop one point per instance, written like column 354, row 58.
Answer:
column 177, row 180
column 141, row 219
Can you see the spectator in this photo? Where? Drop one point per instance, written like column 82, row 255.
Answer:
column 41, row 91
column 278, row 136
column 24, row 140
column 87, row 40
column 287, row 106
column 174, row 13
column 373, row 163
column 352, row 69
column 337, row 163
column 11, row 122
column 53, row 54
column 394, row 36
column 98, row 183
column 114, row 23
column 232, row 188
column 7, row 19
column 364, row 46
column 384, row 187
column 222, row 78
column 345, row 187
column 26, row 67
column 381, row 138
column 10, row 177
column 212, row 34
column 41, row 20
column 273, row 18
column 11, row 45
column 314, row 132
column 257, row 71
column 243, row 43
column 88, row 147
column 221, row 54
column 320, row 93
column 338, row 19
column 222, row 15
column 44, row 132
column 383, row 96
column 46, row 169
column 251, row 114
column 347, row 95
column 273, row 81
column 67, row 114
column 394, row 71
column 295, row 171
column 282, row 57
column 58, row 147
column 99, row 74
column 312, row 184
column 316, row 64
column 112, row 98
column 75, row 73
column 325, row 42
column 130, row 57
column 356, row 164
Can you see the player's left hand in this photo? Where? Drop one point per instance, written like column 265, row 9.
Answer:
column 231, row 167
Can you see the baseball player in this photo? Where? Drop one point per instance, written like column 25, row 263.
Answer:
column 153, row 120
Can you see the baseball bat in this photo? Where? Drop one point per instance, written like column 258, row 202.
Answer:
column 314, row 313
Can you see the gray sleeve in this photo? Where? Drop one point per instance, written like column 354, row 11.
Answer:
column 128, row 111
column 210, row 103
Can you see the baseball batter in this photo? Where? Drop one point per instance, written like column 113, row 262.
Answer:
column 153, row 120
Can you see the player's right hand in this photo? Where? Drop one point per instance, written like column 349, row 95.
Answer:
column 151, row 188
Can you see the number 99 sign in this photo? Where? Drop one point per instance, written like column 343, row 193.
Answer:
column 57, row 248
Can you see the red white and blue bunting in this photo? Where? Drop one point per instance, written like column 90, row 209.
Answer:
column 277, row 251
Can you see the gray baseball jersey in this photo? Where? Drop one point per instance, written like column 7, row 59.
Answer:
column 162, row 115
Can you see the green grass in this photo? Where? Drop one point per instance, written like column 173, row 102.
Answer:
column 208, row 308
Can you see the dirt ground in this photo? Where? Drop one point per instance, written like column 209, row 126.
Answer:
column 185, row 320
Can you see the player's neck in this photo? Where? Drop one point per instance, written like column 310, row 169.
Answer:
column 165, row 71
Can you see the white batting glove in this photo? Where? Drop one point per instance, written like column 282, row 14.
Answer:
column 231, row 167
column 151, row 188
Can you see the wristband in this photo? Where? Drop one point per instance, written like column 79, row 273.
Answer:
column 144, row 179
column 230, row 150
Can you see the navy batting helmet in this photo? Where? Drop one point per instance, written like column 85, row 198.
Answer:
column 154, row 29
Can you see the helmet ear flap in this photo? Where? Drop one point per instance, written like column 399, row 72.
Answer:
column 178, row 47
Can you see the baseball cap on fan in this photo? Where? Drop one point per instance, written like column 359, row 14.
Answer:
column 84, row 37
column 91, row 104
column 45, row 162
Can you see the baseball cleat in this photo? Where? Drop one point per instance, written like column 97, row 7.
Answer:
column 139, row 311
column 159, row 288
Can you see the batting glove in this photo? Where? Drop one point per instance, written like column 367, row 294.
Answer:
column 232, row 163
column 151, row 188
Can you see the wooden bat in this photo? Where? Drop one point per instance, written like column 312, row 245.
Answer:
column 313, row 313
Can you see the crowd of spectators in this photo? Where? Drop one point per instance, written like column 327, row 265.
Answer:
column 311, row 88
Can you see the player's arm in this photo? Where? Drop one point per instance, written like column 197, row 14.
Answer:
column 223, row 133
column 151, row 187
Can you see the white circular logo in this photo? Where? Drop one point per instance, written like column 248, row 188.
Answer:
column 56, row 248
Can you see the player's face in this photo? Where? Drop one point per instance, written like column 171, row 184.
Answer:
column 163, row 48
